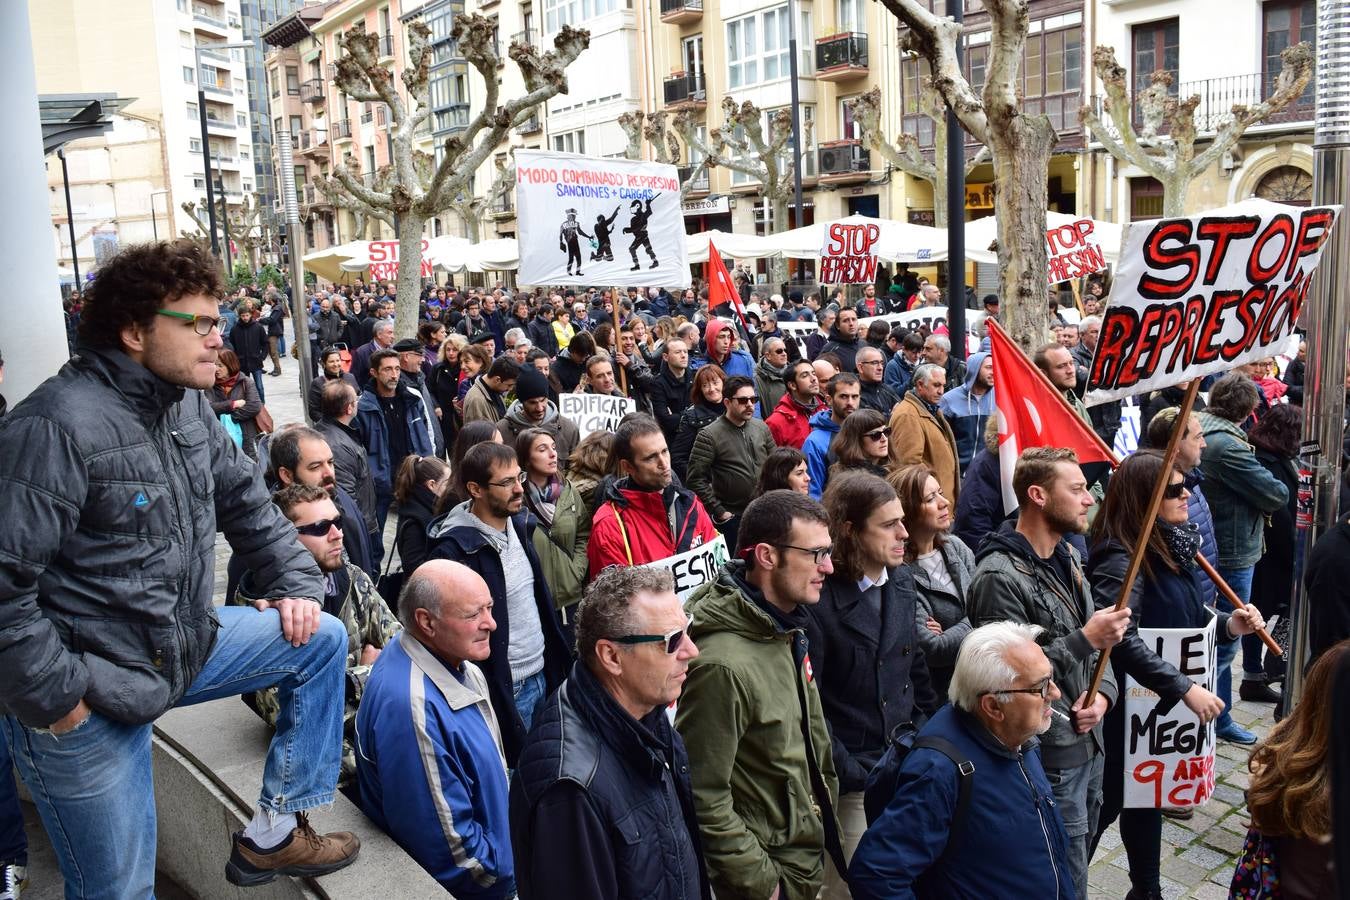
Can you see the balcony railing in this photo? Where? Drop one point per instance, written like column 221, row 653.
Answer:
column 386, row 45
column 504, row 204
column 700, row 184
column 843, row 158
column 1218, row 96
column 217, row 55
column 341, row 130
column 530, row 125
column 219, row 124
column 206, row 16
column 678, row 12
column 841, row 56
column 311, row 91
column 211, row 85
column 682, row 88
column 525, row 37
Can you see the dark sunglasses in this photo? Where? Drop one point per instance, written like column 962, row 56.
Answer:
column 1175, row 491
column 321, row 527
column 879, row 434
column 671, row 639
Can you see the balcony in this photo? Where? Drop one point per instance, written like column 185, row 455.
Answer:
column 841, row 161
column 220, row 56
column 685, row 90
column 206, row 20
column 308, row 195
column 700, row 185
column 841, row 57
column 503, row 205
column 679, row 12
column 341, row 130
column 219, row 126
column 1218, row 96
column 530, row 125
column 450, row 119
column 224, row 160
column 387, row 45
column 312, row 91
column 523, row 37
column 210, row 84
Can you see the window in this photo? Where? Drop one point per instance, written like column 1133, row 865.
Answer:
column 195, row 145
column 185, row 39
column 1286, row 184
column 292, row 80
column 848, row 128
column 785, row 160
column 849, row 16
column 241, row 120
column 182, row 6
column 1156, row 48
column 370, row 159
column 570, row 142
column 187, row 74
column 193, row 112
column 199, row 182
column 300, row 179
column 913, row 119
column 757, row 48
column 558, row 13
column 248, row 186
column 693, row 57
column 243, row 153
column 1146, row 199
column 1286, row 22
column 274, row 78
column 297, row 125
column 742, row 58
column 1052, row 69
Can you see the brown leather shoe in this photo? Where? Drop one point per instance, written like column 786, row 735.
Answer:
column 304, row 854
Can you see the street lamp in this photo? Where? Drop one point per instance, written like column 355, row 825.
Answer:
column 206, row 141
column 154, row 220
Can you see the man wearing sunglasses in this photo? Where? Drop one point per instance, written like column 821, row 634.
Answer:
column 727, row 455
column 602, row 805
column 117, row 477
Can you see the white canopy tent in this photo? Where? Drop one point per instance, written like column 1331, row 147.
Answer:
column 328, row 262
column 899, row 241
column 983, row 232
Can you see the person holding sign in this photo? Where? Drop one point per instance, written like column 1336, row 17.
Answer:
column 1164, row 596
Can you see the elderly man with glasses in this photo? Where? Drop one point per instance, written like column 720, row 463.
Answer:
column 602, row 805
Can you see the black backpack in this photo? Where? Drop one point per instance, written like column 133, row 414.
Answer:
column 884, row 778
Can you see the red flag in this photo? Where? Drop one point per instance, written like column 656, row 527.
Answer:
column 1032, row 413
column 721, row 289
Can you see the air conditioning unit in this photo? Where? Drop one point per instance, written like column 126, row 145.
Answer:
column 844, row 158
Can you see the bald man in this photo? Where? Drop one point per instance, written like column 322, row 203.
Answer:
column 430, row 764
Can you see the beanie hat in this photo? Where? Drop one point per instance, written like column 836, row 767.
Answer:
column 531, row 384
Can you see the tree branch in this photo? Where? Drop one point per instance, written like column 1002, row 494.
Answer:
column 934, row 38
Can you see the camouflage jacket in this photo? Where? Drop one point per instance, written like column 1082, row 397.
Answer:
column 369, row 621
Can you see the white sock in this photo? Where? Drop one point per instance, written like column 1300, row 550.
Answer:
column 268, row 829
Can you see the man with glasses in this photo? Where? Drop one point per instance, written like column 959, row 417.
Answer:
column 727, row 455
column 770, row 375
column 973, row 815
column 603, row 805
column 751, row 716
column 349, row 595
column 875, row 394
column 490, row 534
column 920, row 433
column 1032, row 574
column 114, row 521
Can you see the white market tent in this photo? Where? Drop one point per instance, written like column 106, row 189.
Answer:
column 983, row 232
column 736, row 246
column 899, row 241
column 327, row 263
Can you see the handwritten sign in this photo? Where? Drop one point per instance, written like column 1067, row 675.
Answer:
column 1169, row 754
column 384, row 260
column 849, row 254
column 695, row 568
column 1072, row 254
column 595, row 412
column 1200, row 295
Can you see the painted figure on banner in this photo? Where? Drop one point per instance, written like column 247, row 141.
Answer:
column 603, row 248
column 567, row 240
column 637, row 227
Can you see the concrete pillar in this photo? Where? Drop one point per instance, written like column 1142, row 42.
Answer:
column 32, row 328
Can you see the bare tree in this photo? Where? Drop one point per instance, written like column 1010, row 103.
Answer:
column 904, row 152
column 665, row 143
column 1163, row 143
column 246, row 229
column 414, row 189
column 470, row 208
column 1019, row 143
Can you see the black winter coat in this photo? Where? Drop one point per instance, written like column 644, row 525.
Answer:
column 541, row 334
column 694, row 419
column 249, row 342
column 601, row 804
column 1328, row 580
column 670, row 398
column 869, row 668
column 1273, row 578
column 414, row 515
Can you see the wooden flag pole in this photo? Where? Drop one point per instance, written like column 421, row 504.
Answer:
column 623, row 371
column 1232, row 598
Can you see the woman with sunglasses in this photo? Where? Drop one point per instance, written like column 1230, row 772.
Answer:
column 1165, row 595
column 237, row 398
column 864, row 644
column 558, row 511
column 863, row 443
column 942, row 566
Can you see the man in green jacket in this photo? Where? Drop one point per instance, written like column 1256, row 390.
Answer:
column 727, row 455
column 750, row 715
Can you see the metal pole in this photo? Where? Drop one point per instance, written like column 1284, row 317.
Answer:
column 70, row 216
column 206, row 162
column 1326, row 318
column 225, row 227
column 956, row 211
column 796, row 126
column 299, row 312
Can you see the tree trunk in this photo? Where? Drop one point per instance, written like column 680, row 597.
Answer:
column 939, row 180
column 1021, row 151
column 1175, row 186
column 778, row 266
column 406, row 306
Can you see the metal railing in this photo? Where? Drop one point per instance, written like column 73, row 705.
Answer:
column 204, row 15
column 504, row 204
column 341, row 129
column 386, row 45
column 682, row 88
column 700, row 184
column 680, row 6
column 311, row 91
column 841, row 50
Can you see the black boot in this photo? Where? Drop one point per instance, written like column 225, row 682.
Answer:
column 1258, row 692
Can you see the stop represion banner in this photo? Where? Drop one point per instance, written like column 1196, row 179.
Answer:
column 1169, row 752
column 694, row 568
column 384, row 260
column 594, row 412
column 1072, row 251
column 585, row 220
column 849, row 254
column 1197, row 295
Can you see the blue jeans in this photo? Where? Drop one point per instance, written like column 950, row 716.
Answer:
column 258, row 383
column 93, row 785
column 1078, row 794
column 1239, row 578
column 13, row 842
column 529, row 694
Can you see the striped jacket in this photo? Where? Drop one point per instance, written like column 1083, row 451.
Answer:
column 431, row 771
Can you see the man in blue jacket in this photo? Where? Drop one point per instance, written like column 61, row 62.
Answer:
column 393, row 422
column 1007, row 838
column 429, row 753
column 844, row 393
column 968, row 406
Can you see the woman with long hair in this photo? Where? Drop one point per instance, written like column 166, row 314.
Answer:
column 557, row 506
column 1165, row 595
column 417, row 487
column 586, row 468
column 1275, row 439
column 784, row 469
column 470, row 435
column 604, row 337
column 863, row 643
column 238, row 398
column 1289, row 797
column 444, row 384
column 705, row 405
column 942, row 566
column 863, row 442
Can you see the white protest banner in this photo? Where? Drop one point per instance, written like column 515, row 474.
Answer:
column 1072, row 253
column 694, row 568
column 384, row 260
column 849, row 255
column 594, row 412
column 1169, row 756
column 613, row 221
column 1198, row 295
column 931, row 317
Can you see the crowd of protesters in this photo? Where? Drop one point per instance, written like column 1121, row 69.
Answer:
column 472, row 595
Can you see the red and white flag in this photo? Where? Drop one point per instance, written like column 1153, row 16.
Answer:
column 721, row 289
column 1031, row 413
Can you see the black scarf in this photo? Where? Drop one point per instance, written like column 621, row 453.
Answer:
column 1183, row 542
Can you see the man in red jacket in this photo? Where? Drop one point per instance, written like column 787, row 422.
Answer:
column 789, row 423
column 644, row 516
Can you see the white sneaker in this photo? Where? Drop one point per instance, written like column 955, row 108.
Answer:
column 13, row 879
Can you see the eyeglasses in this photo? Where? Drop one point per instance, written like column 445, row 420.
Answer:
column 508, row 482
column 672, row 639
column 321, row 527
column 1175, row 491
column 203, row 325
column 878, row 435
column 817, row 553
column 746, row 400
column 1041, row 688
column 869, row 362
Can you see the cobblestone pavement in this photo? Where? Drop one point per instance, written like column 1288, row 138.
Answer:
column 1197, row 856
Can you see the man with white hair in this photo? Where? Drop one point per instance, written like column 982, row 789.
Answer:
column 973, row 814
column 937, row 349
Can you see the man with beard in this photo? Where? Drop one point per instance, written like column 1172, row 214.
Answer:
column 1031, row 574
column 533, row 409
column 349, row 596
column 790, row 421
column 382, row 338
column 248, row 339
column 843, row 341
column 352, row 469
column 968, row 406
column 392, row 422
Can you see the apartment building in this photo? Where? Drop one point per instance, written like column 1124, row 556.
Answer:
column 158, row 52
column 1273, row 160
